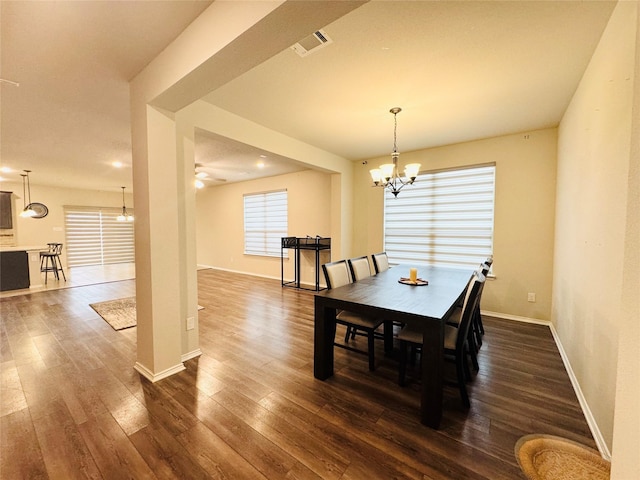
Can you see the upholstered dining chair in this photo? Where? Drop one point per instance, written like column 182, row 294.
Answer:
column 477, row 321
column 474, row 338
column 359, row 269
column 380, row 262
column 455, row 339
column 336, row 275
column 477, row 328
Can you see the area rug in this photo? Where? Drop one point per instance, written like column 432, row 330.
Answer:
column 121, row 313
column 547, row 457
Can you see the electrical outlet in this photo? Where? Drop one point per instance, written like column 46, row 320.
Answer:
column 191, row 323
column 531, row 297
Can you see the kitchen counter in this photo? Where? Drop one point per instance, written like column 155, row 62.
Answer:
column 20, row 266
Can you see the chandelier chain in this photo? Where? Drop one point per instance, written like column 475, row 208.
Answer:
column 395, row 133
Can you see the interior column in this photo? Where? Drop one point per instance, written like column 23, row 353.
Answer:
column 159, row 276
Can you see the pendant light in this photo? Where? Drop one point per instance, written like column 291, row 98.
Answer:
column 27, row 211
column 387, row 175
column 124, row 216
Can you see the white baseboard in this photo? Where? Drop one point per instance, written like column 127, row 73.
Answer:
column 507, row 316
column 591, row 421
column 154, row 377
column 240, row 272
column 193, row 354
column 593, row 426
column 309, row 286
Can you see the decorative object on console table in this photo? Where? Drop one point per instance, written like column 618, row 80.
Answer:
column 316, row 244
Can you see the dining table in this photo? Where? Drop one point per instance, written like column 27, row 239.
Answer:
column 384, row 296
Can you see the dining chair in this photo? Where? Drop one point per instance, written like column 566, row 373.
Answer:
column 380, row 262
column 477, row 329
column 336, row 275
column 359, row 269
column 455, row 339
column 486, row 266
column 474, row 338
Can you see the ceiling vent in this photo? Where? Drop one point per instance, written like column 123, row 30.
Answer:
column 312, row 43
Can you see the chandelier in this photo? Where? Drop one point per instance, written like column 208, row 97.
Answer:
column 124, row 216
column 387, row 175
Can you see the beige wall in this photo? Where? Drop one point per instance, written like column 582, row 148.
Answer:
column 219, row 225
column 40, row 231
column 591, row 217
column 626, row 427
column 213, row 119
column 524, row 214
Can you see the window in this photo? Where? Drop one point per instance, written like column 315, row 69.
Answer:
column 265, row 222
column 445, row 218
column 94, row 236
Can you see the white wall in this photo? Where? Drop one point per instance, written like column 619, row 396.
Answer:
column 524, row 214
column 219, row 225
column 591, row 217
column 40, row 231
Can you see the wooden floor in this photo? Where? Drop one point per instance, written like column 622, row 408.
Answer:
column 72, row 405
column 78, row 277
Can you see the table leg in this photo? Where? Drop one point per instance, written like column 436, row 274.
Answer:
column 432, row 373
column 388, row 336
column 324, row 336
column 298, row 267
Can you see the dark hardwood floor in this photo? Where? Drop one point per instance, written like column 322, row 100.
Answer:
column 72, row 405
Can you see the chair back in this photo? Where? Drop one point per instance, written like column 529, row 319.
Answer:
column 54, row 248
column 380, row 262
column 484, row 268
column 359, row 268
column 468, row 309
column 336, row 274
column 489, row 261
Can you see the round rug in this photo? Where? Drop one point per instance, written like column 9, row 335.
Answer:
column 547, row 457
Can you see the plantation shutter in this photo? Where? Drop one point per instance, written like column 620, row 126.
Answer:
column 95, row 237
column 445, row 218
column 265, row 222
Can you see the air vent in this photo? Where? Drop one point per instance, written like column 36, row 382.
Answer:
column 312, row 43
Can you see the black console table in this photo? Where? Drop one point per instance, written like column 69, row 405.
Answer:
column 316, row 244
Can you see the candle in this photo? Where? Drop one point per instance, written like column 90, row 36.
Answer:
column 413, row 275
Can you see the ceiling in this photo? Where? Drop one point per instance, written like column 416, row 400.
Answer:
column 460, row 71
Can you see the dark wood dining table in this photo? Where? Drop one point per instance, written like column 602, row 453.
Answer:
column 383, row 296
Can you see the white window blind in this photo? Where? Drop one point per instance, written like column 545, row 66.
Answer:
column 445, row 218
column 265, row 222
column 95, row 237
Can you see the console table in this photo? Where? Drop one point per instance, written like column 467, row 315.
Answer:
column 315, row 244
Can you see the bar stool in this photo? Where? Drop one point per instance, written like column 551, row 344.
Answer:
column 50, row 261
